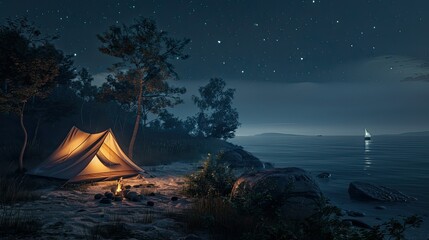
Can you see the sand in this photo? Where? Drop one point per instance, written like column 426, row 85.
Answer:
column 69, row 214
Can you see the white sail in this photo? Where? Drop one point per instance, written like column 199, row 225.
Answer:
column 367, row 134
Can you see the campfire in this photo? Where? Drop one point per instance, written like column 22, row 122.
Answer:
column 120, row 184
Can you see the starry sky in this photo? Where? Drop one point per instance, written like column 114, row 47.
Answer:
column 299, row 66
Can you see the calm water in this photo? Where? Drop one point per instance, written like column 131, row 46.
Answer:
column 399, row 162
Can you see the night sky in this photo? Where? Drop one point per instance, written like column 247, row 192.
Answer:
column 309, row 67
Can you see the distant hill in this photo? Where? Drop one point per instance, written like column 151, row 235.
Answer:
column 275, row 135
column 424, row 133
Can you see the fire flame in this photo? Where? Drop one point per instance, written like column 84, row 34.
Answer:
column 119, row 186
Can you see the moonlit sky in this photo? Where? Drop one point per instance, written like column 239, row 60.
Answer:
column 303, row 67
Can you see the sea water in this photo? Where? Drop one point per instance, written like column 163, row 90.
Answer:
column 395, row 161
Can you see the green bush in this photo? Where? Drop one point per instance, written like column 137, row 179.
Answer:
column 213, row 180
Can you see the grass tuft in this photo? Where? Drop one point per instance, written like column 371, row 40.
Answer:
column 15, row 223
column 17, row 188
column 114, row 230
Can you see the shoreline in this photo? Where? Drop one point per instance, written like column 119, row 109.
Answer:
column 71, row 212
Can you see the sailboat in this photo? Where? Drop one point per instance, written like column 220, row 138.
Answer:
column 367, row 135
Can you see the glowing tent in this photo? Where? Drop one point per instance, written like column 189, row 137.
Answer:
column 87, row 157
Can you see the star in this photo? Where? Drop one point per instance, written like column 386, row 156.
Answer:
column 219, row 41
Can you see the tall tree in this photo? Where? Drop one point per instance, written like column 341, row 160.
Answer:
column 216, row 118
column 145, row 53
column 84, row 89
column 28, row 68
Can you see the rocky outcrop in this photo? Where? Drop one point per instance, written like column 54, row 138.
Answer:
column 369, row 192
column 291, row 190
column 239, row 158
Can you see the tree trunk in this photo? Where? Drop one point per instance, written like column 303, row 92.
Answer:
column 36, row 131
column 81, row 112
column 21, row 155
column 137, row 122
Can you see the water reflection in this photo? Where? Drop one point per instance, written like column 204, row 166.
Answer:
column 367, row 156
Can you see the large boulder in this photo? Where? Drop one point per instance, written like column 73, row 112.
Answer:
column 292, row 191
column 239, row 158
column 363, row 191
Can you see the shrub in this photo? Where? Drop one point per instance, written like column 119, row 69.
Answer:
column 17, row 188
column 219, row 216
column 15, row 223
column 212, row 180
column 114, row 230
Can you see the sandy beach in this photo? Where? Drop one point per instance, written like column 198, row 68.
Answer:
column 70, row 213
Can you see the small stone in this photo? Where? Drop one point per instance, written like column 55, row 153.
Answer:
column 174, row 199
column 98, row 196
column 268, row 165
column 380, row 207
column 131, row 196
column 347, row 223
column 150, row 185
column 151, row 194
column 136, row 186
column 324, row 175
column 136, row 199
column 118, row 198
column 355, row 214
column 105, row 201
column 150, row 203
column 109, row 195
column 128, row 187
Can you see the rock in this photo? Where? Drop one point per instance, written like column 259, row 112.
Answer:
column 136, row 186
column 324, row 175
column 238, row 158
column 128, row 187
column 268, row 165
column 292, row 190
column 347, row 223
column 355, row 214
column 357, row 223
column 125, row 192
column 190, row 237
column 118, row 198
column 174, row 199
column 132, row 196
column 380, row 207
column 98, row 196
column 151, row 194
column 109, row 195
column 150, row 203
column 106, row 200
column 369, row 192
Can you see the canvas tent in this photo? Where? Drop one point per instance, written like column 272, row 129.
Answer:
column 87, row 157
